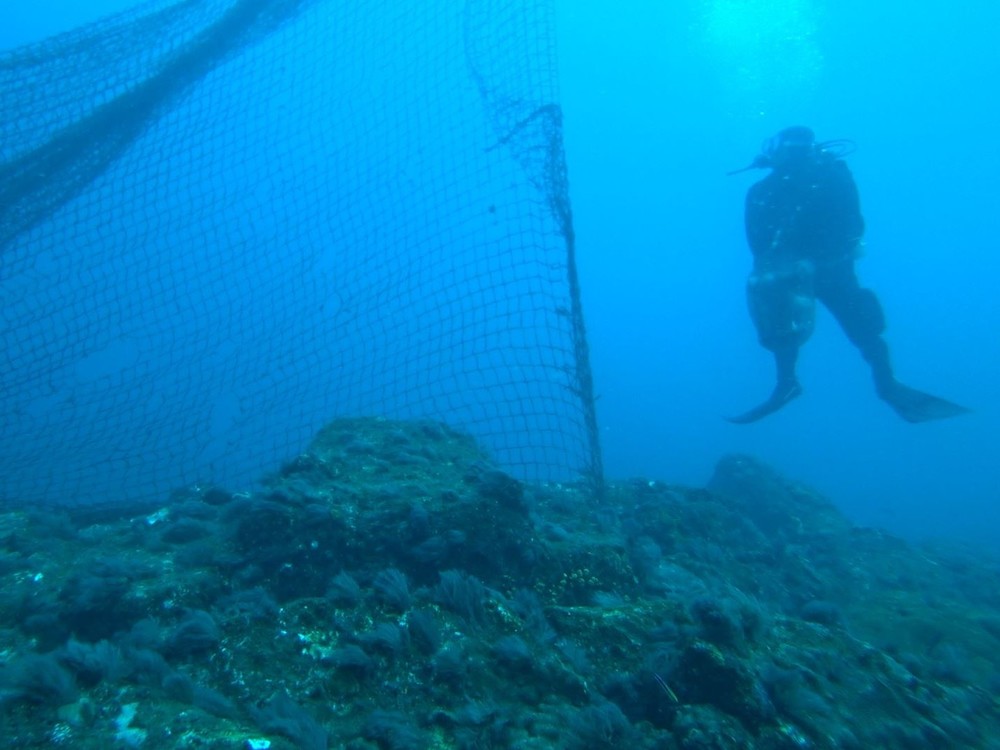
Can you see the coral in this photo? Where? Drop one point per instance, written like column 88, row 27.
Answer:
column 94, row 601
column 93, row 662
column 513, row 653
column 425, row 633
column 822, row 612
column 344, row 590
column 392, row 730
column 600, row 725
column 251, row 605
column 38, row 679
column 462, row 594
column 197, row 633
column 351, row 659
column 393, row 589
column 449, row 666
column 387, row 638
column 704, row 674
column 284, row 716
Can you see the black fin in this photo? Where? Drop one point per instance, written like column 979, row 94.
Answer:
column 916, row 406
column 783, row 393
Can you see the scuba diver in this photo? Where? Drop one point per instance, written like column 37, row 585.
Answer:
column 804, row 228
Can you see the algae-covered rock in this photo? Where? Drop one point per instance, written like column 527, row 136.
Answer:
column 393, row 587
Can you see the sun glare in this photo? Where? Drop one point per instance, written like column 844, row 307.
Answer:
column 763, row 45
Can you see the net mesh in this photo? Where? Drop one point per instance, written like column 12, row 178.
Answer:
column 224, row 223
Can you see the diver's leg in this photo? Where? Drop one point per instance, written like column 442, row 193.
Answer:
column 860, row 315
column 786, row 355
column 781, row 307
column 785, row 389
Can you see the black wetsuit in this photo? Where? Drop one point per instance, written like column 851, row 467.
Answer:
column 804, row 228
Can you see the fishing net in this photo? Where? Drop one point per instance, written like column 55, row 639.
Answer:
column 224, row 223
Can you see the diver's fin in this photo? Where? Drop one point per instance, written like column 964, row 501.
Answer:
column 916, row 406
column 783, row 393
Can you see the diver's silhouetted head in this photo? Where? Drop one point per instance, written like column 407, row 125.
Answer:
column 791, row 147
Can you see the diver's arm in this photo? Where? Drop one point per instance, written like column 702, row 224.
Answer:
column 755, row 221
column 845, row 204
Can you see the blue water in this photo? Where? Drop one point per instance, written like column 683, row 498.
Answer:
column 659, row 105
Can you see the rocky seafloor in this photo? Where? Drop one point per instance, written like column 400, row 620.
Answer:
column 392, row 589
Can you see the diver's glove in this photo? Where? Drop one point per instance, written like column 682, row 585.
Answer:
column 783, row 393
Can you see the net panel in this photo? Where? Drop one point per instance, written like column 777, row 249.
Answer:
column 224, row 223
